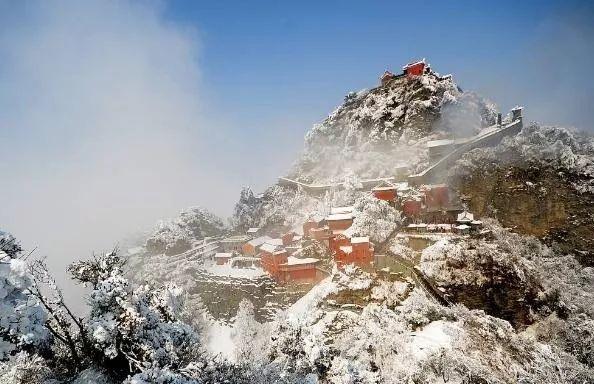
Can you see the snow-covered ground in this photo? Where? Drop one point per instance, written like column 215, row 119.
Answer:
column 220, row 340
column 229, row 271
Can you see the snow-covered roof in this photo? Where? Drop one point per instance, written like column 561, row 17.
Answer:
column 297, row 261
column 336, row 210
column 339, row 216
column 412, row 225
column 259, row 240
column 275, row 241
column 422, row 225
column 360, row 240
column 346, row 248
column 476, row 222
column 384, row 185
column 463, row 226
column 387, row 188
column 344, row 232
column 387, row 73
column 270, row 248
column 223, row 255
column 404, row 68
column 465, row 217
column 253, row 230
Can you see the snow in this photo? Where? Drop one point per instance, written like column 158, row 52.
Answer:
column 270, row 248
column 296, row 261
column 339, row 216
column 220, row 340
column 278, row 242
column 465, row 217
column 21, row 315
column 229, row 271
column 338, row 210
column 304, row 307
column 360, row 240
column 259, row 241
column 431, row 338
column 346, row 248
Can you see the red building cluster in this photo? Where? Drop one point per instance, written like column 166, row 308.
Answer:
column 355, row 250
column 410, row 70
column 429, row 203
column 333, row 231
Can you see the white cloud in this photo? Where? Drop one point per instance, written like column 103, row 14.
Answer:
column 102, row 124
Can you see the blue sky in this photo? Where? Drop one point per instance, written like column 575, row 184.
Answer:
column 114, row 114
column 267, row 58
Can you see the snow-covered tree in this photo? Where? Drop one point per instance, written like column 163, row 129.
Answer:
column 374, row 218
column 134, row 326
column 22, row 317
column 247, row 210
column 249, row 336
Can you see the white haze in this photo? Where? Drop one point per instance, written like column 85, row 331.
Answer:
column 102, row 126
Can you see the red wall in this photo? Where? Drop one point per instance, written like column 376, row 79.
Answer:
column 385, row 194
column 248, row 249
column 437, row 196
column 415, row 70
column 270, row 262
column 338, row 241
column 339, row 225
column 362, row 254
column 411, row 208
column 304, row 272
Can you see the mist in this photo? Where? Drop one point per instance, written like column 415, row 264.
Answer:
column 103, row 126
column 547, row 70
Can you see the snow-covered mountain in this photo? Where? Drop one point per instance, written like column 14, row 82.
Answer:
column 379, row 130
column 174, row 236
column 502, row 296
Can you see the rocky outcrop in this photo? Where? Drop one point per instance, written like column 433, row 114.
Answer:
column 536, row 200
column 494, row 275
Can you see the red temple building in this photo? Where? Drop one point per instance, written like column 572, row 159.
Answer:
column 386, row 77
column 385, row 191
column 360, row 251
column 313, row 222
column 222, row 258
column 411, row 208
column 271, row 261
column 414, row 69
column 437, row 196
column 340, row 218
column 251, row 248
column 338, row 241
column 295, row 269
